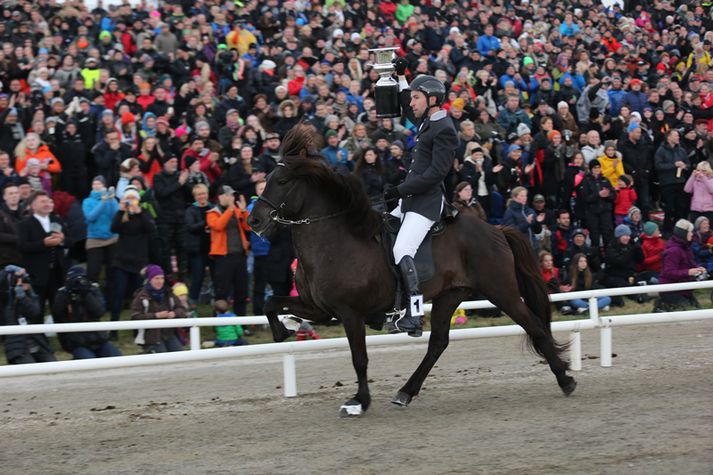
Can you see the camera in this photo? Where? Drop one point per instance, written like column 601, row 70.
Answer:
column 702, row 276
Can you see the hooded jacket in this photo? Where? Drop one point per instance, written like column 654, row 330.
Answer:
column 677, row 260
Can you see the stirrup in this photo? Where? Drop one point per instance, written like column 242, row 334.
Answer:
column 409, row 324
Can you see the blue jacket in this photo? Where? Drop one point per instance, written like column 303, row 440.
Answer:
column 616, row 99
column 259, row 246
column 568, row 30
column 510, row 120
column 636, row 101
column 521, row 84
column 99, row 214
column 330, row 153
column 488, row 43
column 516, row 217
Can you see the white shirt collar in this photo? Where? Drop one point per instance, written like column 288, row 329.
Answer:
column 44, row 221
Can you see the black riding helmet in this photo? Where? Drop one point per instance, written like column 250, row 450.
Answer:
column 431, row 87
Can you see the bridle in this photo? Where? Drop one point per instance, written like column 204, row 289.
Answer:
column 275, row 213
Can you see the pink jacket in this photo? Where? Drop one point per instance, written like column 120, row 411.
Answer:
column 702, row 188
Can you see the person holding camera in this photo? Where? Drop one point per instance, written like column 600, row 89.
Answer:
column 135, row 229
column 81, row 300
column 19, row 305
column 679, row 265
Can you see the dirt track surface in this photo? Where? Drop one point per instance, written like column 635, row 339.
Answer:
column 489, row 407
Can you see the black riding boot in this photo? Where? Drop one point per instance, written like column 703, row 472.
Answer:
column 411, row 321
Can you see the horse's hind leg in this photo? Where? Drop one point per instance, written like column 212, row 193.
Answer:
column 541, row 339
column 443, row 307
column 292, row 305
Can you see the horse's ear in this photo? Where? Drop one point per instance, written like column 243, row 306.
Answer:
column 303, row 154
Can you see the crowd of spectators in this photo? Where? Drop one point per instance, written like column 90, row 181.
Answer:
column 137, row 135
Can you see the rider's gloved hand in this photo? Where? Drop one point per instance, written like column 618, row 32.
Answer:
column 400, row 65
column 392, row 194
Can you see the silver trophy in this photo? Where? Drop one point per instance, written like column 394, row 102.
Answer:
column 387, row 88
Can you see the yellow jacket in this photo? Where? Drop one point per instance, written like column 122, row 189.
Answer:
column 612, row 168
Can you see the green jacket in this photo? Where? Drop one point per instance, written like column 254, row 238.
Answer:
column 228, row 332
column 403, row 12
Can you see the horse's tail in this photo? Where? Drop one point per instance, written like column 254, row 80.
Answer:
column 530, row 283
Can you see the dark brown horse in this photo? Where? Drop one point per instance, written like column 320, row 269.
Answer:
column 343, row 272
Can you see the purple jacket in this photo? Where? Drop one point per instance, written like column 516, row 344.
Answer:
column 677, row 260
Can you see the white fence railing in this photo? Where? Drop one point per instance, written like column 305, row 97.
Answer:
column 289, row 349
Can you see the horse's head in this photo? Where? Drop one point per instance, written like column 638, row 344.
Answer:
column 279, row 203
column 304, row 189
column 283, row 199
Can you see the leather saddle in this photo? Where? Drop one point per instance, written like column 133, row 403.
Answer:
column 424, row 256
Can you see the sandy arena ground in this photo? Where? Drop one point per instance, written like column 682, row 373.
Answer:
column 488, row 407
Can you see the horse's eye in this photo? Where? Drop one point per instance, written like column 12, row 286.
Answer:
column 282, row 181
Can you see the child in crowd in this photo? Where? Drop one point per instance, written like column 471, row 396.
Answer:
column 38, row 180
column 633, row 220
column 180, row 290
column 625, row 198
column 228, row 335
column 652, row 245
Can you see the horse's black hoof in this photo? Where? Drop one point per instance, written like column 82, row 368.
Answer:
column 351, row 408
column 282, row 335
column 401, row 399
column 569, row 387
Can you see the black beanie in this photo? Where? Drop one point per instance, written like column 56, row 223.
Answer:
column 190, row 160
column 594, row 163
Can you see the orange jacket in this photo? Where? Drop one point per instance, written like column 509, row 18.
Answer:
column 44, row 155
column 217, row 221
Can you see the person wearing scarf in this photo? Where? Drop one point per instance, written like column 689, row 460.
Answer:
column 156, row 300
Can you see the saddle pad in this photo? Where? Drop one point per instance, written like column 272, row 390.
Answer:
column 424, row 256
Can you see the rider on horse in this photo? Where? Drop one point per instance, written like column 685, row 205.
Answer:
column 422, row 192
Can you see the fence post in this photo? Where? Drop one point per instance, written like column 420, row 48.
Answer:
column 575, row 351
column 195, row 336
column 605, row 344
column 289, row 375
column 593, row 310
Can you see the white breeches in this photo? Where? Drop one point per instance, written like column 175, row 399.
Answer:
column 414, row 228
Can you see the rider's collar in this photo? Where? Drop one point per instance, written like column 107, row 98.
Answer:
column 438, row 115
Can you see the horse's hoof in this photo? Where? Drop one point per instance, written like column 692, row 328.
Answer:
column 351, row 408
column 569, row 388
column 282, row 335
column 401, row 399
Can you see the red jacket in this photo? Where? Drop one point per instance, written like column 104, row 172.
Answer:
column 295, row 86
column 653, row 248
column 625, row 199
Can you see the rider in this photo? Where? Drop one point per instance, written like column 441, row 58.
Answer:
column 422, row 192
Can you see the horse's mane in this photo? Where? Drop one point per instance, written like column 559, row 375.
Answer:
column 301, row 156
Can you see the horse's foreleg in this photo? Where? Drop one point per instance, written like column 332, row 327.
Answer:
column 294, row 306
column 443, row 307
column 356, row 334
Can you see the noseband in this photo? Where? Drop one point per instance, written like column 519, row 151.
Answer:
column 275, row 213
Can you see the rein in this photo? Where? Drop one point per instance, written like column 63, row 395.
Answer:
column 275, row 213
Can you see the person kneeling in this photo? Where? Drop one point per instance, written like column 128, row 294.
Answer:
column 156, row 300
column 80, row 300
